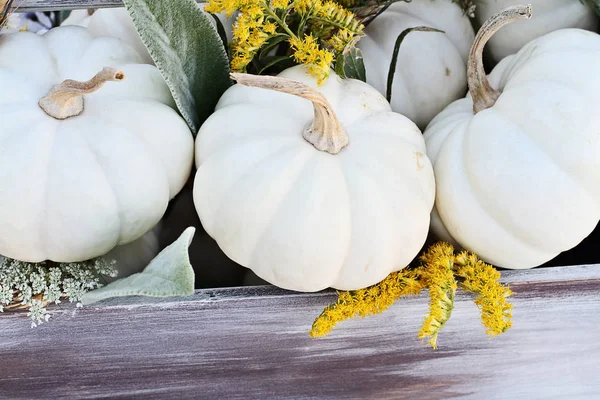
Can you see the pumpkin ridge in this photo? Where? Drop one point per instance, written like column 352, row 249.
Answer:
column 248, row 172
column 448, row 149
column 370, row 279
column 108, row 182
column 97, row 110
column 284, row 197
column 512, row 229
column 482, row 202
column 315, row 158
column 541, row 144
column 41, row 234
column 214, row 158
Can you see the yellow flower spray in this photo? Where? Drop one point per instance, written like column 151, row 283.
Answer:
column 315, row 31
column 441, row 271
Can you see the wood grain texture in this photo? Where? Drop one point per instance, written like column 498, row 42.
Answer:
column 246, row 343
column 56, row 5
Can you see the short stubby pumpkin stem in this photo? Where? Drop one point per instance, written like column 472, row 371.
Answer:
column 325, row 132
column 484, row 96
column 65, row 100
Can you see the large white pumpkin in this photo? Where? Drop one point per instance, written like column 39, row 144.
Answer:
column 305, row 219
column 118, row 23
column 517, row 182
column 549, row 15
column 430, row 73
column 72, row 189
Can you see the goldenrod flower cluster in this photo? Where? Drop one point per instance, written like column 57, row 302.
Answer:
column 307, row 52
column 492, row 298
column 368, row 301
column 315, row 30
column 441, row 271
column 436, row 273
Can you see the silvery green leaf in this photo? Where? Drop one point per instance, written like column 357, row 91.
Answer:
column 168, row 274
column 188, row 51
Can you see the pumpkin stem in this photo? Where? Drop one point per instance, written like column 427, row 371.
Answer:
column 484, row 96
column 326, row 132
column 66, row 99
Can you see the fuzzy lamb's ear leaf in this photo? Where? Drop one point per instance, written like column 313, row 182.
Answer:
column 169, row 274
column 188, row 51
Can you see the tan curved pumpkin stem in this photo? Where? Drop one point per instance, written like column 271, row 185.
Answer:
column 66, row 99
column 326, row 132
column 485, row 96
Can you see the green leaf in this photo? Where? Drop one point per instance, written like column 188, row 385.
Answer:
column 169, row 274
column 394, row 61
column 188, row 51
column 593, row 4
column 272, row 60
column 349, row 64
column 272, row 43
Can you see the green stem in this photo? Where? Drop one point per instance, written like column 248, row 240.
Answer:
column 273, row 15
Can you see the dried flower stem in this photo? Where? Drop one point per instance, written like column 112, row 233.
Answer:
column 483, row 94
column 65, row 100
column 325, row 132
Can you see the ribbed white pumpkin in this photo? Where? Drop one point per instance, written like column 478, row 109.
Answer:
column 117, row 22
column 550, row 15
column 305, row 219
column 114, row 22
column 73, row 189
column 518, row 183
column 430, row 73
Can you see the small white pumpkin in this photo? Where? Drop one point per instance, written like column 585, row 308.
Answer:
column 430, row 73
column 117, row 22
column 550, row 15
column 517, row 183
column 334, row 193
column 83, row 170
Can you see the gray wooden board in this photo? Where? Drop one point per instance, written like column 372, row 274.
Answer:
column 245, row 343
column 55, row 5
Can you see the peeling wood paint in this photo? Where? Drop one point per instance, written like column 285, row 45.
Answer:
column 241, row 343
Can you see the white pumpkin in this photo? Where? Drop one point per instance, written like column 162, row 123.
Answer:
column 430, row 73
column 550, row 15
column 83, row 173
column 517, row 173
column 305, row 219
column 118, row 23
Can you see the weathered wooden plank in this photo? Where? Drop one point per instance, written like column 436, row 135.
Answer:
column 56, row 5
column 252, row 343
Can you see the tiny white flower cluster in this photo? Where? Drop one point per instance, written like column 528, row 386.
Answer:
column 35, row 285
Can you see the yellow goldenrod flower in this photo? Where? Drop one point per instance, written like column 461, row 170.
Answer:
column 437, row 275
column 492, row 297
column 438, row 272
column 308, row 52
column 305, row 7
column 280, row 4
column 368, row 301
